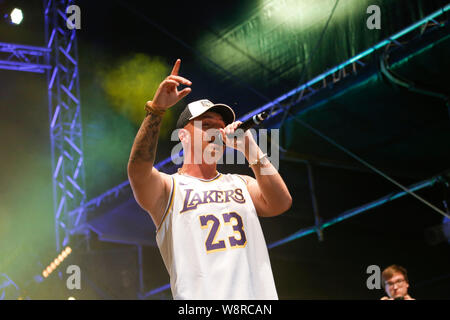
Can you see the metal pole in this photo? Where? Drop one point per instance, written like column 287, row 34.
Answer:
column 141, row 272
column 353, row 212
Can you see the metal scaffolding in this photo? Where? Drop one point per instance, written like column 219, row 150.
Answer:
column 23, row 58
column 59, row 61
column 65, row 120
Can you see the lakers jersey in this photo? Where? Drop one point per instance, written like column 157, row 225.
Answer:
column 211, row 241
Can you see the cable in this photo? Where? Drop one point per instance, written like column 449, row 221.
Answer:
column 354, row 156
column 406, row 83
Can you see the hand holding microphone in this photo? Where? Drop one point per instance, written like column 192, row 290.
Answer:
column 228, row 132
column 253, row 121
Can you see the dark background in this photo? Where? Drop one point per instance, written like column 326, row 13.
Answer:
column 403, row 133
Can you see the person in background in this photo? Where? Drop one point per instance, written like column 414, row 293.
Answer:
column 395, row 282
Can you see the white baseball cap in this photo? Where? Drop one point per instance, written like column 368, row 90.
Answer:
column 199, row 107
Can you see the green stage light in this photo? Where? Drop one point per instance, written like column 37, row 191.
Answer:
column 278, row 34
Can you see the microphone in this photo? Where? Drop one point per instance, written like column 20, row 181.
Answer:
column 253, row 121
column 249, row 123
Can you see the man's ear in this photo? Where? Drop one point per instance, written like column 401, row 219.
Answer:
column 184, row 135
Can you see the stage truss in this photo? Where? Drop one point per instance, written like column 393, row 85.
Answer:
column 59, row 61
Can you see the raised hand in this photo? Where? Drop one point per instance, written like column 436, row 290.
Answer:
column 167, row 94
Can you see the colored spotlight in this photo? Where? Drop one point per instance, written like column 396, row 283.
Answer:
column 16, row 16
column 57, row 261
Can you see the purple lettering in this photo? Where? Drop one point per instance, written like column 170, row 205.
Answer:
column 228, row 195
column 238, row 197
column 219, row 196
column 207, row 196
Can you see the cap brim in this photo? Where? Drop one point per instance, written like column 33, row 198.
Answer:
column 225, row 111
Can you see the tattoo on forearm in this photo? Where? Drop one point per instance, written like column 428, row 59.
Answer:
column 144, row 146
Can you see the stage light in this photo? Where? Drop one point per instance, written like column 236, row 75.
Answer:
column 16, row 16
column 56, row 262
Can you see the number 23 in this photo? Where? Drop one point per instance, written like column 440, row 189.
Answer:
column 211, row 244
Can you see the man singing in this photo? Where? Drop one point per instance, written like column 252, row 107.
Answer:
column 208, row 231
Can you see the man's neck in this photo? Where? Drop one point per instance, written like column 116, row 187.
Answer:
column 202, row 171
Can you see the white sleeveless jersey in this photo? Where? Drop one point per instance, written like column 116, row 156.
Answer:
column 212, row 243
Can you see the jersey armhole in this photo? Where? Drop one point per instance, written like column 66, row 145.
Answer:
column 169, row 204
column 245, row 181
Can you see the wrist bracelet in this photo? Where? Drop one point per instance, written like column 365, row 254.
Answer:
column 258, row 161
column 150, row 109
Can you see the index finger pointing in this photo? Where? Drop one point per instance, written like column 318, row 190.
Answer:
column 176, row 67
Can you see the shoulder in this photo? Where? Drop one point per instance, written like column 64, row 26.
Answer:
column 167, row 178
column 247, row 179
